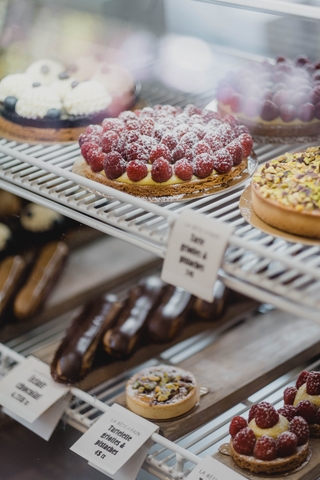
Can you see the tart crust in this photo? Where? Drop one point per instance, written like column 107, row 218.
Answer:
column 270, row 467
column 284, row 193
column 161, row 189
column 146, row 405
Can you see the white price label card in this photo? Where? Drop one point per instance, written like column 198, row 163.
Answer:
column 210, row 469
column 195, row 251
column 113, row 441
column 44, row 425
column 28, row 390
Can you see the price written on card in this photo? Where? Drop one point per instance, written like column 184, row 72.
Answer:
column 194, row 254
column 114, row 439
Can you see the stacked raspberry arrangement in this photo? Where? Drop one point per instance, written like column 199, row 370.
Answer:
column 303, row 400
column 269, row 441
column 165, row 143
column 282, row 92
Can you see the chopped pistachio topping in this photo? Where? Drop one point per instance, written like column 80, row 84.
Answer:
column 293, row 180
column 163, row 386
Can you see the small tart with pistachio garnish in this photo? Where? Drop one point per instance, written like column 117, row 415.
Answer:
column 162, row 392
column 286, row 192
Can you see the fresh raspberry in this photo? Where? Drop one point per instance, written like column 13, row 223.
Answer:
column 181, row 130
column 194, row 120
column 192, row 110
column 235, row 150
column 252, row 412
column 317, row 111
column 287, row 411
column 147, row 126
column 313, row 383
column 240, row 129
column 289, row 395
column 208, row 115
column 301, row 60
column 287, row 112
column 236, row 102
column 231, row 120
column 160, row 150
column 281, row 97
column 199, row 130
column 299, row 99
column 214, row 123
column 109, row 141
column 237, row 424
column 203, row 165
column 93, row 129
column 269, row 110
column 132, row 136
column 127, row 115
column 159, row 130
column 114, row 165
column 86, row 147
column 132, row 124
column 202, row 147
column 88, row 137
column 95, row 158
column 222, row 161
column 169, row 139
column 114, row 124
column 146, row 112
column 189, row 155
column 83, row 138
column 299, row 427
column 137, row 170
column 183, row 169
column 225, row 94
column 306, row 410
column 225, row 133
column 266, row 415
column 134, row 151
column 213, row 140
column 189, row 139
column 265, row 448
column 302, row 378
column 244, row 441
column 246, row 143
column 306, row 112
column 286, row 444
column 179, row 152
column 161, row 170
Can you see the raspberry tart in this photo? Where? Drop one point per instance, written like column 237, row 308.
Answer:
column 162, row 392
column 285, row 192
column 304, row 399
column 47, row 102
column 277, row 100
column 165, row 151
column 268, row 442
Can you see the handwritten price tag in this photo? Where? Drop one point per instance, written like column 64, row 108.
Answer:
column 194, row 254
column 211, row 469
column 113, row 444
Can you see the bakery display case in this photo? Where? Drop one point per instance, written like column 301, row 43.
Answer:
column 267, row 331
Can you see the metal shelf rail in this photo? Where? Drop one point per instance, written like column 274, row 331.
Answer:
column 262, row 266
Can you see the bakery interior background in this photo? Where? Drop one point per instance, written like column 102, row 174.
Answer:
column 167, row 39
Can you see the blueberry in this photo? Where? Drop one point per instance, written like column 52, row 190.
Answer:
column 45, row 69
column 63, row 75
column 10, row 103
column 74, row 84
column 36, row 84
column 53, row 113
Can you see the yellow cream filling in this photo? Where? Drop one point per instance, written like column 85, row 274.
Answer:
column 257, row 119
column 274, row 432
column 303, row 395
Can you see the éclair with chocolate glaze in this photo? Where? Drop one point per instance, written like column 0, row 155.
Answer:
column 162, row 392
column 13, row 271
column 165, row 151
column 131, row 324
column 76, row 353
column 276, row 98
column 285, row 192
column 41, row 280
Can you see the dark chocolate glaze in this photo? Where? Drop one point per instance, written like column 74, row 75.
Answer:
column 132, row 322
column 170, row 316
column 213, row 310
column 75, row 355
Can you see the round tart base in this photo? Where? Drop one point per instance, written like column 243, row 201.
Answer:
column 279, row 465
column 82, row 168
column 144, row 405
column 306, row 224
